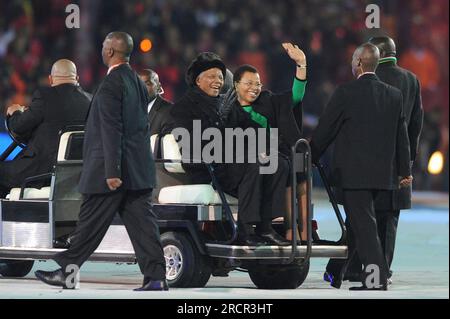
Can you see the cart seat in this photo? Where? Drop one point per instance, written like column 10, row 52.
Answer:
column 70, row 148
column 197, row 194
column 192, row 194
column 29, row 193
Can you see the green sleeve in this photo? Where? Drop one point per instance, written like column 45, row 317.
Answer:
column 298, row 90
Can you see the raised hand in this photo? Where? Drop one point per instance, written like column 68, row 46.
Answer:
column 295, row 53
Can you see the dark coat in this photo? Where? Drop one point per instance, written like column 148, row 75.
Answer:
column 161, row 122
column 117, row 137
column 51, row 109
column 280, row 112
column 196, row 105
column 408, row 83
column 365, row 119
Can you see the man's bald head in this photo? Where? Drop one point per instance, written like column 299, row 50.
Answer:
column 386, row 45
column 148, row 73
column 365, row 59
column 63, row 71
column 117, row 47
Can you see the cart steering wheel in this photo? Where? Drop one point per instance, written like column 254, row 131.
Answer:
column 17, row 139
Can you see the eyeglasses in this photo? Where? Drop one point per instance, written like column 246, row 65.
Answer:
column 252, row 84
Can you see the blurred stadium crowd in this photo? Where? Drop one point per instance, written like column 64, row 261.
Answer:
column 33, row 35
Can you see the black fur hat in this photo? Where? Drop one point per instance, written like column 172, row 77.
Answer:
column 204, row 61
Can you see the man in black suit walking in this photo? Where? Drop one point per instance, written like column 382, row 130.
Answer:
column 118, row 171
column 364, row 118
column 389, row 203
column 52, row 108
column 158, row 109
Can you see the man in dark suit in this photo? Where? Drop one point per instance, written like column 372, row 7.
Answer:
column 364, row 118
column 158, row 109
column 389, row 203
column 52, row 108
column 118, row 171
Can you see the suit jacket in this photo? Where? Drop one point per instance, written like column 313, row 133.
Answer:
column 409, row 85
column 51, row 109
column 117, row 136
column 365, row 119
column 161, row 122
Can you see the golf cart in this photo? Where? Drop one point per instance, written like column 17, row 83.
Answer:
column 197, row 222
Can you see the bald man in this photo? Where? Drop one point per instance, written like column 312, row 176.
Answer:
column 389, row 203
column 51, row 109
column 364, row 118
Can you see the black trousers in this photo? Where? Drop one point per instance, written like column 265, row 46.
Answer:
column 96, row 215
column 387, row 223
column 261, row 196
column 363, row 235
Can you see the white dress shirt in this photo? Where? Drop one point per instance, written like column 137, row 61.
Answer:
column 112, row 67
column 150, row 105
column 365, row 74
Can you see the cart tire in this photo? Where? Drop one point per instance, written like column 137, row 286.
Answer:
column 203, row 272
column 185, row 266
column 278, row 276
column 15, row 268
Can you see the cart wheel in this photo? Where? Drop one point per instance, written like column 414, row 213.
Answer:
column 185, row 266
column 278, row 276
column 15, row 268
column 203, row 272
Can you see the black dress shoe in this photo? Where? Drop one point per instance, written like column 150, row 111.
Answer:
column 365, row 288
column 273, row 238
column 328, row 277
column 60, row 243
column 63, row 241
column 53, row 278
column 251, row 240
column 153, row 285
column 334, row 280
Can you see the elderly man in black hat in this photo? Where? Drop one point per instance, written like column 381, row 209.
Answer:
column 258, row 194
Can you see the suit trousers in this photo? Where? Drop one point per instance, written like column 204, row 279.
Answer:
column 387, row 222
column 96, row 215
column 363, row 234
